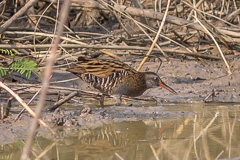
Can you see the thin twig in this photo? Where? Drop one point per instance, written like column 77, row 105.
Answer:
column 63, row 38
column 118, row 156
column 29, row 4
column 206, row 128
column 154, row 152
column 20, row 113
column 45, row 83
column 34, row 36
column 139, row 24
column 62, row 101
column 194, row 137
column 9, row 105
column 219, row 49
column 176, row 50
column 156, row 38
column 47, row 149
column 219, row 155
column 25, row 106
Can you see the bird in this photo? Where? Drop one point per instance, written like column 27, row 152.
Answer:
column 113, row 77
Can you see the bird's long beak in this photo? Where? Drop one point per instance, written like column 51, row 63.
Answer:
column 163, row 85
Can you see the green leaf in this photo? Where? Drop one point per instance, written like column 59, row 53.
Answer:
column 3, row 71
column 8, row 52
column 24, row 66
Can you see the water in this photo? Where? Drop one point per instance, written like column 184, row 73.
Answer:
column 212, row 133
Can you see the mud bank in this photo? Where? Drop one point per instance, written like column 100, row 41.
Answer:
column 192, row 79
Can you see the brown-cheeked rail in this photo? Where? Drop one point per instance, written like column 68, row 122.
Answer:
column 115, row 78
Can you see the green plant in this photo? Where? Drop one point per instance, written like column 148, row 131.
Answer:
column 3, row 71
column 8, row 52
column 21, row 65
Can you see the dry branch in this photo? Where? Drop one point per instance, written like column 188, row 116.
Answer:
column 29, row 4
column 19, row 99
column 234, row 14
column 45, row 83
column 156, row 38
column 165, row 49
column 62, row 101
column 147, row 13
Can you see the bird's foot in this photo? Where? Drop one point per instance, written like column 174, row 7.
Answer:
column 118, row 99
column 101, row 100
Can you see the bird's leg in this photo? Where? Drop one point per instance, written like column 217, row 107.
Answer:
column 118, row 99
column 102, row 100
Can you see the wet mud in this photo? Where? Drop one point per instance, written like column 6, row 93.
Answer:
column 192, row 79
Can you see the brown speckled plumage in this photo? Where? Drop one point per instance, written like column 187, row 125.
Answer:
column 113, row 77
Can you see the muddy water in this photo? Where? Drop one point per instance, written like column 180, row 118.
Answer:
column 211, row 132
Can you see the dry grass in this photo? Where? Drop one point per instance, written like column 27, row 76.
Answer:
column 186, row 28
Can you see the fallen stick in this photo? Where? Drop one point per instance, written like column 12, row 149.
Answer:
column 17, row 15
column 62, row 101
column 165, row 49
column 25, row 106
column 148, row 13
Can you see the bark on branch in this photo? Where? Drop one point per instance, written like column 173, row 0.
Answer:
column 147, row 13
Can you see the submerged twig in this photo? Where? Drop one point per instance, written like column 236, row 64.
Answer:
column 212, row 94
column 203, row 131
column 154, row 152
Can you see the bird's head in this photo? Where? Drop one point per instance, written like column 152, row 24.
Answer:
column 153, row 81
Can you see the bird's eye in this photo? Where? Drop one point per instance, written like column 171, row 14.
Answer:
column 156, row 78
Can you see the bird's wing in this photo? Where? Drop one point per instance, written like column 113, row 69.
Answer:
column 98, row 67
